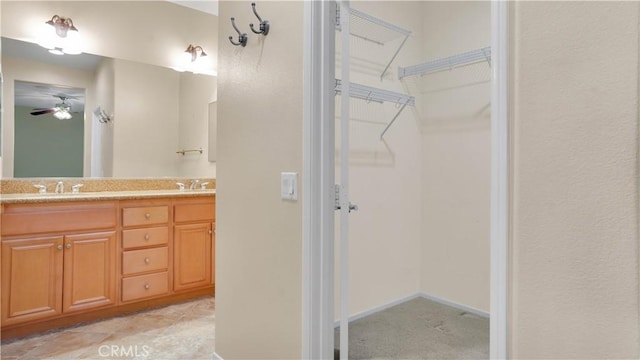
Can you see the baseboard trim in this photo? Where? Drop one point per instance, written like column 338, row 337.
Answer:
column 379, row 308
column 216, row 356
column 456, row 305
column 401, row 300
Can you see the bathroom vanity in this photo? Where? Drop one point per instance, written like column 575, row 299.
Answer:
column 73, row 258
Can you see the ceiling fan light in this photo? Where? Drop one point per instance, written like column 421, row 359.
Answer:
column 62, row 115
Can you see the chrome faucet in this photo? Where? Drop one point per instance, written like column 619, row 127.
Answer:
column 76, row 188
column 59, row 187
column 193, row 184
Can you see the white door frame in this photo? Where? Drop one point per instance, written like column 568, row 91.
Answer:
column 318, row 180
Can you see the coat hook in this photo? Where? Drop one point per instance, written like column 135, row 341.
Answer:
column 264, row 25
column 242, row 37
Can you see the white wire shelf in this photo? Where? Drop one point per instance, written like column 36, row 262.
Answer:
column 377, row 31
column 368, row 93
column 447, row 63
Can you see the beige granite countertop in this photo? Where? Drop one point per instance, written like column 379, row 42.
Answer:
column 100, row 195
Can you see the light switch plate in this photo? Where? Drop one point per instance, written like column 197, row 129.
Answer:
column 289, row 186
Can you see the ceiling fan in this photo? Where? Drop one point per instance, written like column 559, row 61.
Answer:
column 61, row 111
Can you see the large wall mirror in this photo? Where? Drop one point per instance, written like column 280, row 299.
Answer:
column 119, row 116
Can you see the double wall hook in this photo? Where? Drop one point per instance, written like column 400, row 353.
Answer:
column 242, row 37
column 264, row 25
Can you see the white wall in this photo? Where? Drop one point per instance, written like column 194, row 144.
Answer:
column 25, row 70
column 258, row 235
column 144, row 131
column 196, row 92
column 456, row 143
column 574, row 283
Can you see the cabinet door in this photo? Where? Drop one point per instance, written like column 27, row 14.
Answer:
column 192, row 256
column 89, row 271
column 31, row 278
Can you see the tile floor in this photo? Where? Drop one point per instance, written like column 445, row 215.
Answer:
column 182, row 331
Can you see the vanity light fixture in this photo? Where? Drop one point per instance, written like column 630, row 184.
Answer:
column 192, row 60
column 60, row 36
column 194, row 52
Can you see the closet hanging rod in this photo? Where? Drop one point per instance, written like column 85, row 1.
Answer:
column 369, row 93
column 377, row 31
column 447, row 63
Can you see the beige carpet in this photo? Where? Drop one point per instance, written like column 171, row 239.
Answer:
column 418, row 329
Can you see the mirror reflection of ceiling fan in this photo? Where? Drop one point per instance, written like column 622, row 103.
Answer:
column 61, row 111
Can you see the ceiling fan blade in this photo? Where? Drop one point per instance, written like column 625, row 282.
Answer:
column 42, row 111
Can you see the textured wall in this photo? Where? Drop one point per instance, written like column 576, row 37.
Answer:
column 258, row 235
column 575, row 185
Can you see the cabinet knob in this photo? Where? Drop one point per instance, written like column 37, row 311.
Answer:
column 147, row 216
column 147, row 286
column 59, row 247
column 68, row 246
column 147, row 237
column 147, row 260
column 210, row 231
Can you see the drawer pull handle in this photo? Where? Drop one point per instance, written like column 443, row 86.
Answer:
column 147, row 286
column 68, row 246
column 147, row 237
column 59, row 247
column 147, row 260
column 147, row 216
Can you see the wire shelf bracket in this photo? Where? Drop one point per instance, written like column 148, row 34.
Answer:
column 447, row 63
column 369, row 94
column 377, row 31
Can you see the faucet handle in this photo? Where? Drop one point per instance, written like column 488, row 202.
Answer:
column 203, row 186
column 42, row 189
column 76, row 188
column 180, row 186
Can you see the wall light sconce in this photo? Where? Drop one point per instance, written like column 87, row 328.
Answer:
column 192, row 60
column 60, row 36
column 193, row 52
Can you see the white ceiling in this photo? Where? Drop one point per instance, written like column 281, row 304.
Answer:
column 35, row 95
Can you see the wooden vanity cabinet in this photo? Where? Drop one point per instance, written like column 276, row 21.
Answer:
column 194, row 244
column 56, row 260
column 67, row 262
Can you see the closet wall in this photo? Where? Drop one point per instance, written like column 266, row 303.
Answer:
column 423, row 192
column 456, row 144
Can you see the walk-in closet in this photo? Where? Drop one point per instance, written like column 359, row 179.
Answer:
column 415, row 242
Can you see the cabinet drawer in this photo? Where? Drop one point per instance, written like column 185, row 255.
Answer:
column 40, row 218
column 195, row 212
column 145, row 237
column 143, row 286
column 139, row 261
column 140, row 216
